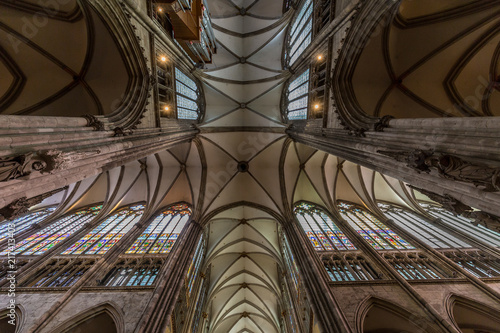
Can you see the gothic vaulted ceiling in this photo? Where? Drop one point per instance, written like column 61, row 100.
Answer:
column 58, row 60
column 432, row 59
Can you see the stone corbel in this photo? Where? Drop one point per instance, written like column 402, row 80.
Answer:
column 449, row 167
column 21, row 206
column 93, row 122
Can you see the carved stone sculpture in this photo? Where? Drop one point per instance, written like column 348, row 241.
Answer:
column 21, row 166
column 450, row 167
column 20, row 206
column 458, row 208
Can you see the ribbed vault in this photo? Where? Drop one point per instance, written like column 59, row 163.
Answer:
column 431, row 59
column 54, row 55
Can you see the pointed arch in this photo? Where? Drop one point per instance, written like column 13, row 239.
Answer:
column 376, row 315
column 104, row 318
column 471, row 316
column 12, row 320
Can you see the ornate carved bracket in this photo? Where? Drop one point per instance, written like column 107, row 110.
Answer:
column 92, row 121
column 449, row 167
column 458, row 208
column 21, row 206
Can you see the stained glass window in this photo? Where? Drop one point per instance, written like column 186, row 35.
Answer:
column 59, row 273
column 300, row 32
column 420, row 228
column 291, row 265
column 108, row 233
column 162, row 232
column 320, row 229
column 187, row 96
column 377, row 234
column 464, row 225
column 297, row 97
column 55, row 233
column 23, row 222
column 194, row 268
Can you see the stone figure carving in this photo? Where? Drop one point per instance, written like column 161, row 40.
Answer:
column 450, row 167
column 458, row 208
column 20, row 166
column 21, row 206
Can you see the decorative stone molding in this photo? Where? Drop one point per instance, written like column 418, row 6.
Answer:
column 383, row 123
column 449, row 167
column 21, row 166
column 93, row 122
column 21, row 206
column 458, row 208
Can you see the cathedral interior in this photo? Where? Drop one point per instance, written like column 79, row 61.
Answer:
column 249, row 166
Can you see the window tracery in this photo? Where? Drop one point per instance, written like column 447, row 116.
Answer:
column 132, row 272
column 375, row 233
column 161, row 234
column 59, row 273
column 476, row 262
column 300, row 32
column 464, row 224
column 187, row 96
column 422, row 229
column 108, row 233
column 59, row 230
column 415, row 266
column 349, row 268
column 297, row 97
column 320, row 229
column 24, row 222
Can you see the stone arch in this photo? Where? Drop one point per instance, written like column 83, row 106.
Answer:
column 470, row 316
column 6, row 325
column 376, row 315
column 104, row 318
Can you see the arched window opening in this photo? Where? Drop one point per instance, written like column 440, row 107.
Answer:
column 422, row 229
column 377, row 234
column 10, row 321
column 324, row 13
column 24, row 222
column 297, row 97
column 326, row 237
column 300, row 33
column 476, row 318
column 130, row 272
column 161, row 234
column 59, row 273
column 140, row 264
column 382, row 318
column 108, row 233
column 320, row 229
column 194, row 268
column 187, row 96
column 55, row 233
column 464, row 224
column 475, row 261
column 101, row 322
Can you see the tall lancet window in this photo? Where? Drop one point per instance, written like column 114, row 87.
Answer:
column 320, row 229
column 55, row 233
column 187, row 96
column 297, row 97
column 108, row 233
column 24, row 222
column 422, row 229
column 142, row 261
column 377, row 234
column 464, row 224
column 300, row 32
column 161, row 234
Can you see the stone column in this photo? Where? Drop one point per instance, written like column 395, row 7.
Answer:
column 158, row 310
column 325, row 305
